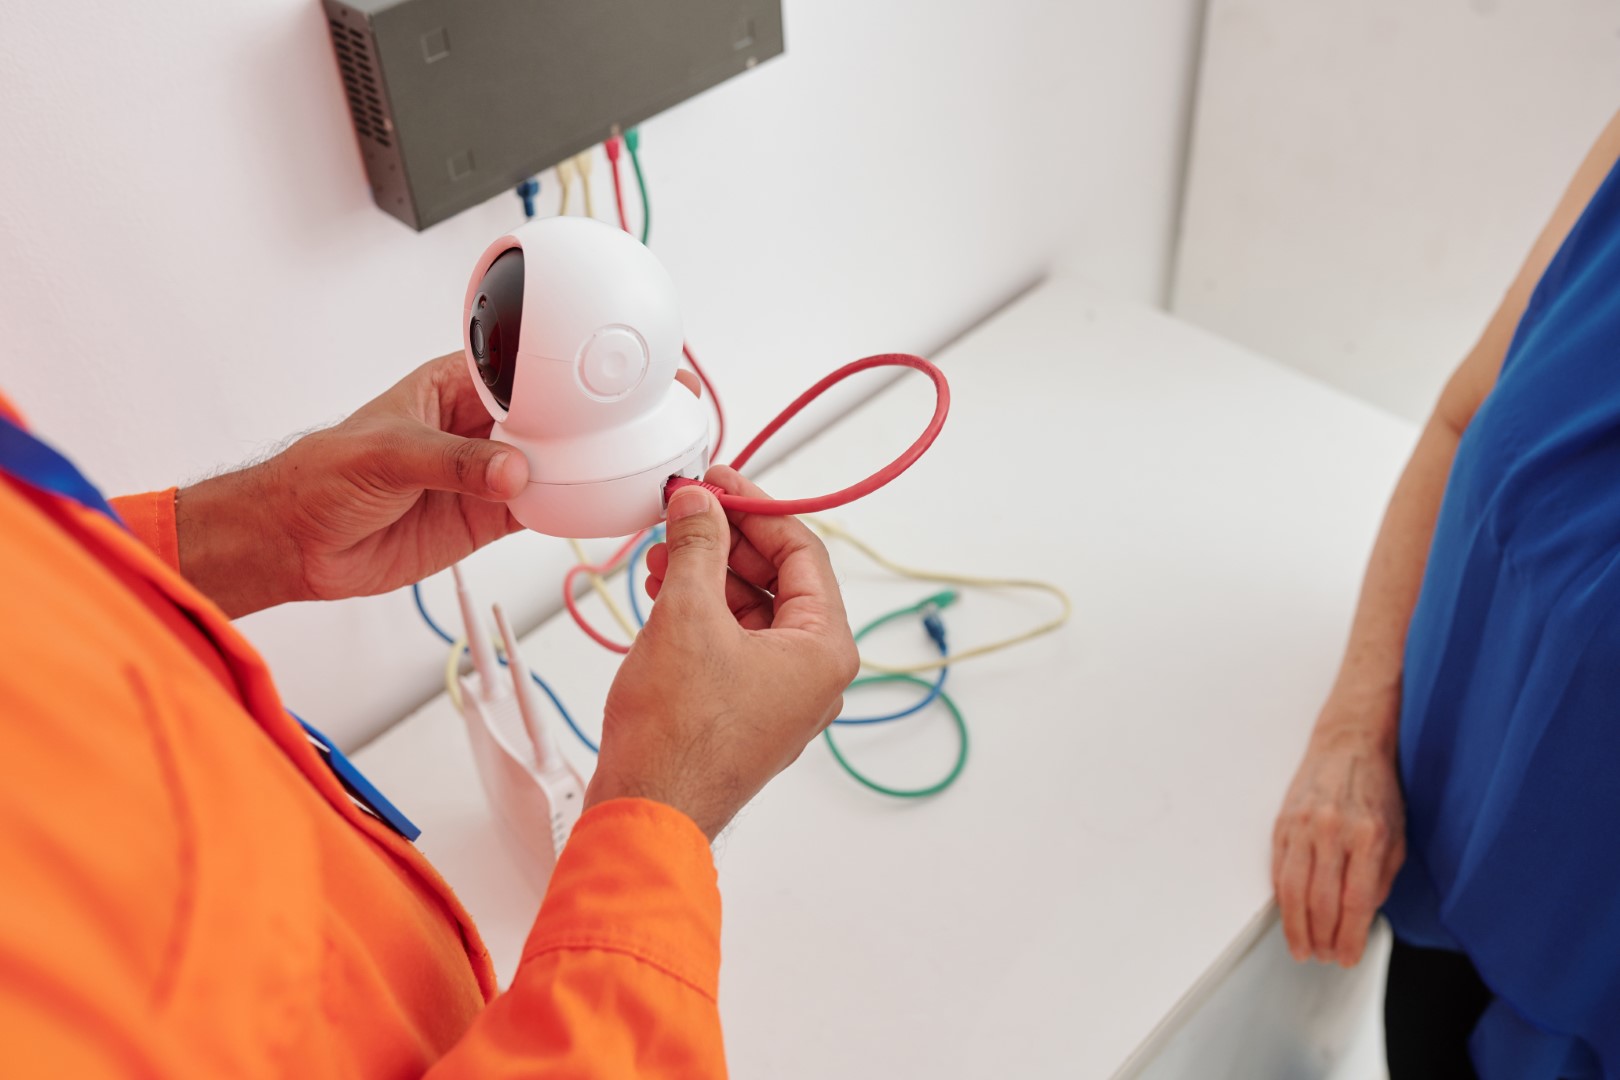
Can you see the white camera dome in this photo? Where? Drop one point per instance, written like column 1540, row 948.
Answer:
column 573, row 336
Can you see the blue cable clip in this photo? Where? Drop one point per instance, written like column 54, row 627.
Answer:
column 357, row 784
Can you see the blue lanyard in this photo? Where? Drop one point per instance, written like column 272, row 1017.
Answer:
column 355, row 782
column 41, row 466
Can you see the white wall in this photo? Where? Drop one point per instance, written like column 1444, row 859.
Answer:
column 191, row 267
column 1367, row 177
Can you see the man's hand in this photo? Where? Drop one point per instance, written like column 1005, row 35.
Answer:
column 1339, row 840
column 744, row 661
column 403, row 488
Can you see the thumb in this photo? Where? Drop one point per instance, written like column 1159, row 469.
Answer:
column 697, row 537
column 439, row 461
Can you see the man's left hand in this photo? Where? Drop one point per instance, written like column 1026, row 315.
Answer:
column 401, row 489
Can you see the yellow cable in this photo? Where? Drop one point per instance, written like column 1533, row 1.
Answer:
column 452, row 668
column 828, row 529
column 602, row 590
column 582, row 162
column 565, row 180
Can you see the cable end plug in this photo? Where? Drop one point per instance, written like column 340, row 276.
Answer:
column 930, row 611
column 675, row 483
column 612, row 146
column 528, row 191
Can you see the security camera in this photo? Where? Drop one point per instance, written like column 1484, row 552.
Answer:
column 573, row 336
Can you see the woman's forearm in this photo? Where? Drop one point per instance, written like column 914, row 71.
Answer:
column 1365, row 700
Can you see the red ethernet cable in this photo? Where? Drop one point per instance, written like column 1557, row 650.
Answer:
column 714, row 402
column 613, row 146
column 782, row 507
column 604, row 567
column 818, row 503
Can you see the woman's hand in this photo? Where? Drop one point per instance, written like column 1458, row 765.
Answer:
column 401, row 489
column 1339, row 840
column 744, row 660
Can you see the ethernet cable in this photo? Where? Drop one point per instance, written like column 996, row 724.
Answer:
column 927, row 790
column 601, row 589
column 528, row 192
column 929, row 609
column 1066, row 607
column 632, row 143
column 583, row 162
column 714, row 401
column 654, row 534
column 443, row 635
column 567, row 171
column 613, row 147
column 607, row 566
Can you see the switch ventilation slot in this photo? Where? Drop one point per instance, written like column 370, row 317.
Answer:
column 360, row 83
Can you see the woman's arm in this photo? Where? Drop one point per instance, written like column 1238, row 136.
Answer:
column 1340, row 836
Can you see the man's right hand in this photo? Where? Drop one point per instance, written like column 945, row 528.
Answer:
column 743, row 661
column 1339, row 840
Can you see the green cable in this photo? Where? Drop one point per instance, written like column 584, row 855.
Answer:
column 632, row 142
column 937, row 602
column 907, row 793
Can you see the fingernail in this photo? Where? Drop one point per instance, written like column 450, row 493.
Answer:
column 688, row 501
column 492, row 473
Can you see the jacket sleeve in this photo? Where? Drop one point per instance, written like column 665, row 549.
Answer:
column 150, row 518
column 620, row 974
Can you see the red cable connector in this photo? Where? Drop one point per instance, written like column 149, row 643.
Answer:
column 677, row 482
column 613, row 146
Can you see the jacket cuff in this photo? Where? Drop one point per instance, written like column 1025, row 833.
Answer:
column 150, row 518
column 637, row 878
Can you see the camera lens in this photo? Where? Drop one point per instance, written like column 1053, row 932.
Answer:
column 494, row 333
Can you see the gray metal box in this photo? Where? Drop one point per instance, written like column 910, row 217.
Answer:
column 455, row 101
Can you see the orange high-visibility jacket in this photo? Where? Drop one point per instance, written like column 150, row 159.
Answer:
column 186, row 889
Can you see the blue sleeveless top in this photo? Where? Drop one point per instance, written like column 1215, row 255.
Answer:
column 1510, row 719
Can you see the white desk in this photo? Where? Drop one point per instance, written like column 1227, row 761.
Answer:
column 1105, row 856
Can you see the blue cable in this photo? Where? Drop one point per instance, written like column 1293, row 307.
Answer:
column 421, row 609
column 528, row 191
column 935, row 625
column 653, row 536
